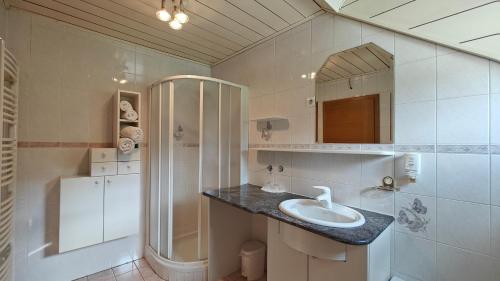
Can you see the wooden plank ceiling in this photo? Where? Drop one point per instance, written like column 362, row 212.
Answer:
column 473, row 25
column 217, row 29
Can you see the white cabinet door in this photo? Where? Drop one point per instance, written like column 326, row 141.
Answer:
column 81, row 212
column 121, row 206
column 283, row 262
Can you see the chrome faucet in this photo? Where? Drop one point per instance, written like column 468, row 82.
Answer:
column 325, row 198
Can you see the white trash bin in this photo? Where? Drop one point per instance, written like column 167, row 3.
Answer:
column 253, row 260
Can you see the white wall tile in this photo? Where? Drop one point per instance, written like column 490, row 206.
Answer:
column 346, row 194
column 416, row 123
column 460, row 74
column 311, row 165
column 346, row 34
column 284, row 159
column 455, row 264
column 464, row 177
column 465, row 225
column 304, row 186
column 463, row 120
column 495, row 180
column 495, row 77
column 416, row 81
column 409, row 49
column 415, row 257
column 262, row 106
column 416, row 215
column 259, row 64
column 381, row 37
column 322, row 35
column 377, row 200
column 495, row 119
column 374, row 169
column 426, row 180
column 346, row 169
column 495, row 231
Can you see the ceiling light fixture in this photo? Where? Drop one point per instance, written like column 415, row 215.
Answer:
column 163, row 14
column 175, row 24
column 179, row 15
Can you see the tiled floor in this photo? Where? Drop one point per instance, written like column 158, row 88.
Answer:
column 138, row 270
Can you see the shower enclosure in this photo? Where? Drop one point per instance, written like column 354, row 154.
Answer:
column 197, row 141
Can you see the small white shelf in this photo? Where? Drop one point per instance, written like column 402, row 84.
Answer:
column 269, row 118
column 330, row 151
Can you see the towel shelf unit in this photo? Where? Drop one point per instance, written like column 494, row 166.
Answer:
column 9, row 85
column 135, row 99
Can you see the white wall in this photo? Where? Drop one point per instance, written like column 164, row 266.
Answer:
column 65, row 107
column 447, row 105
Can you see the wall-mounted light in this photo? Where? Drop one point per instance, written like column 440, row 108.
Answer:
column 179, row 15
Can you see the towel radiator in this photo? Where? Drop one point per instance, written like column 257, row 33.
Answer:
column 9, row 84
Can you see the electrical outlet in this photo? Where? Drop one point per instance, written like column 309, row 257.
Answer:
column 311, row 101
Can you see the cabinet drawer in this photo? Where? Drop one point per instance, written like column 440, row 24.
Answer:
column 131, row 167
column 99, row 155
column 103, row 169
column 135, row 155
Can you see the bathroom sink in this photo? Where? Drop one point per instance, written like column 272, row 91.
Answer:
column 313, row 211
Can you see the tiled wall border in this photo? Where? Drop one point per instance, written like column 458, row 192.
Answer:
column 452, row 149
column 495, row 149
column 416, row 148
column 322, row 146
column 463, row 149
column 49, row 144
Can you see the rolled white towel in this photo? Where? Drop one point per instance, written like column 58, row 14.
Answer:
column 130, row 115
column 126, row 106
column 126, row 145
column 133, row 133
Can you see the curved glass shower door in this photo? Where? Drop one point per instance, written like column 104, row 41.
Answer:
column 195, row 129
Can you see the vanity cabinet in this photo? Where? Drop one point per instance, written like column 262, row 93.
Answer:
column 348, row 263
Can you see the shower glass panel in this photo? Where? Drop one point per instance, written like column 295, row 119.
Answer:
column 165, row 183
column 185, row 177
column 154, row 170
column 195, row 145
column 210, row 155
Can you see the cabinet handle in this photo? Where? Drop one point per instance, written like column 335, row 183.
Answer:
column 103, row 168
column 103, row 155
column 128, row 166
column 109, row 181
column 96, row 182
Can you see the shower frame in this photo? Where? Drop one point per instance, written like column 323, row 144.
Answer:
column 168, row 84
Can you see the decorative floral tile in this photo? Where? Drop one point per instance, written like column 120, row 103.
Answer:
column 416, row 215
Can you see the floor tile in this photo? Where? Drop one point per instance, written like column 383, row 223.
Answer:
column 105, row 275
column 124, row 268
column 130, row 276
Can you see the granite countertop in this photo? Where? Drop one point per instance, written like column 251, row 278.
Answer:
column 251, row 199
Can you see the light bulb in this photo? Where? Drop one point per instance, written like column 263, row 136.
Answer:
column 175, row 24
column 181, row 17
column 163, row 15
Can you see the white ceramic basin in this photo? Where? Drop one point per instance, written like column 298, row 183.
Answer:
column 312, row 211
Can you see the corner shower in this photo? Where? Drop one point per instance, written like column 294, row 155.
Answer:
column 197, row 132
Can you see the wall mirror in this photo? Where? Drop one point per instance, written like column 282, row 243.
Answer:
column 354, row 96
